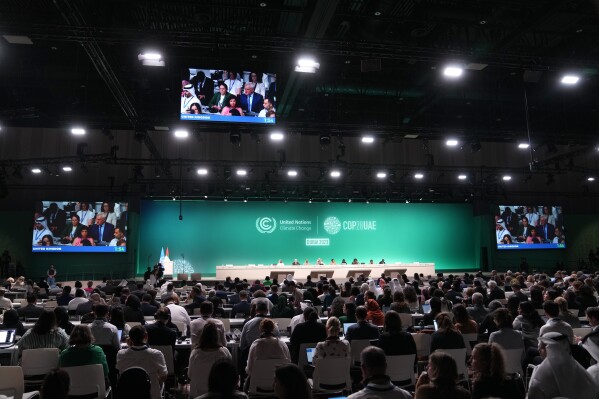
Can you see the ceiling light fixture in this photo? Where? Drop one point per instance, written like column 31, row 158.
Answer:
column 181, row 134
column 453, row 71
column 507, row 178
column 451, row 143
column 67, row 168
column 523, row 146
column 78, row 131
column 36, row 170
column 241, row 172
column 418, row 176
column 368, row 139
column 462, row 177
column 590, row 178
column 151, row 59
column 335, row 173
column 292, row 173
column 570, row 79
column 381, row 175
column 307, row 65
column 276, row 136
column 202, row 171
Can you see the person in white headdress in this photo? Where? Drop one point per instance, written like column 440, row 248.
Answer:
column 396, row 286
column 593, row 348
column 40, row 229
column 501, row 231
column 559, row 375
column 188, row 98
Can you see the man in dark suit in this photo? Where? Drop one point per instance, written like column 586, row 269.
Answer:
column 545, row 230
column 158, row 333
column 102, row 231
column 362, row 329
column 250, row 101
column 510, row 219
column 30, row 311
column 56, row 217
column 204, row 87
column 494, row 291
column 312, row 330
column 146, row 306
column 139, row 292
column 243, row 306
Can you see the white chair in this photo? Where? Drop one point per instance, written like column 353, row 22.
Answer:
column 459, row 355
column 423, row 344
column 406, row 320
column 401, row 370
column 12, row 384
column 282, row 323
column 470, row 340
column 87, row 381
column 331, row 374
column 226, row 324
column 36, row 363
column 357, row 346
column 262, row 376
column 302, row 360
column 513, row 360
column 169, row 359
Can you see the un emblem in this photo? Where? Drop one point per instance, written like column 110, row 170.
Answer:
column 266, row 224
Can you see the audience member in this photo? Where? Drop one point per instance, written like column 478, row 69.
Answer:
column 81, row 351
column 56, row 385
column 529, row 323
column 441, row 379
column 11, row 321
column 44, row 334
column 393, row 341
column 223, row 382
column 554, row 323
column 362, row 329
column 447, row 336
column 332, row 346
column 105, row 333
column 205, row 354
column 138, row 354
column 477, row 311
column 290, row 383
column 307, row 332
column 464, row 323
column 30, row 311
column 198, row 324
column 489, row 379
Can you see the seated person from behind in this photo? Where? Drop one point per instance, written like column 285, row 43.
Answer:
column 447, row 336
column 362, row 329
column 31, row 310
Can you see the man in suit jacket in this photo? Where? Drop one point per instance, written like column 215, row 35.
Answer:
column 510, row 219
column 146, row 306
column 362, row 329
column 72, row 230
column 56, row 217
column 204, row 87
column 102, row 231
column 545, row 230
column 250, row 101
column 243, row 306
column 158, row 333
column 30, row 311
column 523, row 231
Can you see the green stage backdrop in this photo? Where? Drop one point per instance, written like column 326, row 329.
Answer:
column 220, row 233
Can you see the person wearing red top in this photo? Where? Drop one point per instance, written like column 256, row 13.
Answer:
column 375, row 315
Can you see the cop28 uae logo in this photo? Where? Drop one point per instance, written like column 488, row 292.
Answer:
column 332, row 225
column 266, row 224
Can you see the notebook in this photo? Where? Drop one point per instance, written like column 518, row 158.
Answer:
column 346, row 326
column 310, row 354
column 7, row 338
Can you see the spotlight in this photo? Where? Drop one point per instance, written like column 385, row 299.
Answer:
column 292, row 173
column 202, row 171
column 507, row 178
column 462, row 177
column 381, row 175
column 181, row 134
column 276, row 136
column 335, row 173
column 523, row 146
column 367, row 139
column 306, row 65
column 453, row 71
column 151, row 59
column 36, row 171
column 77, row 131
column 241, row 172
column 570, row 79
column 418, row 176
column 67, row 168
column 451, row 143
column 590, row 178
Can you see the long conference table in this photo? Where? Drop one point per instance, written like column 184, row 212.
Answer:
column 300, row 272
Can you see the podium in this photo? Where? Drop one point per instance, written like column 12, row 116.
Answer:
column 280, row 275
column 393, row 272
column 356, row 272
column 320, row 273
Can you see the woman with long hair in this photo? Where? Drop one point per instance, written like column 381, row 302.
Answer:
column 529, row 323
column 62, row 319
column 565, row 314
column 290, row 383
column 393, row 341
column 223, row 381
column 11, row 321
column 447, row 335
column 44, row 334
column 489, row 378
column 375, row 315
column 440, row 380
column 204, row 355
column 464, row 322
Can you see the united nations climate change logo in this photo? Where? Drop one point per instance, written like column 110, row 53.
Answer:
column 266, row 224
column 332, row 225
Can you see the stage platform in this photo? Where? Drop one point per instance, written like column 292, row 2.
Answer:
column 341, row 272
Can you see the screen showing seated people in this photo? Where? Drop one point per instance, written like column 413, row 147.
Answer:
column 530, row 227
column 216, row 95
column 70, row 226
